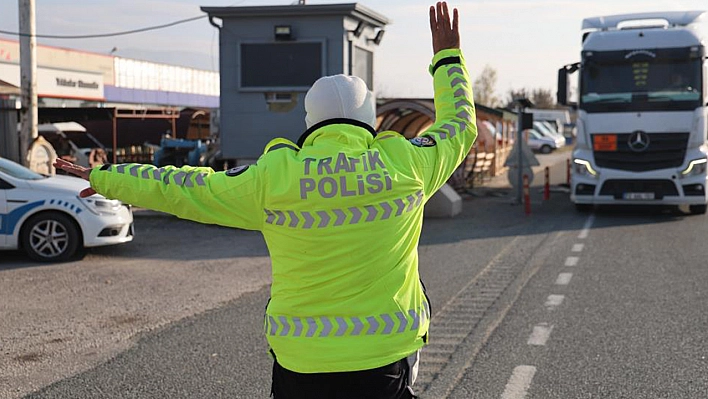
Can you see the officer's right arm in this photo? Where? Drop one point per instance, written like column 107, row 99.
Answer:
column 233, row 198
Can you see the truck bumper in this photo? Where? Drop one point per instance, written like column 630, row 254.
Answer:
column 657, row 187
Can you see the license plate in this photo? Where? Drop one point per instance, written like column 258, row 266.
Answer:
column 638, row 196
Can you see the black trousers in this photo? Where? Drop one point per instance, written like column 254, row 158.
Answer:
column 387, row 382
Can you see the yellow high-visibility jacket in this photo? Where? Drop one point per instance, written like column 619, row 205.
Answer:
column 341, row 214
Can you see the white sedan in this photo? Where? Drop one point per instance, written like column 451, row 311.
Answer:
column 544, row 144
column 45, row 217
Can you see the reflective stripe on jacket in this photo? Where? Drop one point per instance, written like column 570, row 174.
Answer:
column 341, row 215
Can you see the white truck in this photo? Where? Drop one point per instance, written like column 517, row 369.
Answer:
column 642, row 111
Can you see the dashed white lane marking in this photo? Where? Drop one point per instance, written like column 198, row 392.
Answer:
column 553, row 301
column 521, row 378
column 519, row 382
column 586, row 229
column 540, row 334
column 564, row 278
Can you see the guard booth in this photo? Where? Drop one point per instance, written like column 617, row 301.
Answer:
column 269, row 56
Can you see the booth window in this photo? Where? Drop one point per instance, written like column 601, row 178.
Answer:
column 363, row 66
column 293, row 65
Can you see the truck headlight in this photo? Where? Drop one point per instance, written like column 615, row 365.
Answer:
column 695, row 168
column 584, row 168
column 101, row 206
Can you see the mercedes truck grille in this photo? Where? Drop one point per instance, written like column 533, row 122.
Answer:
column 660, row 188
column 665, row 150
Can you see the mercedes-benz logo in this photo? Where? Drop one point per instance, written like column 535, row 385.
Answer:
column 638, row 141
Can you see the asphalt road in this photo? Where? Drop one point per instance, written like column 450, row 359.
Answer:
column 222, row 352
column 552, row 305
column 628, row 320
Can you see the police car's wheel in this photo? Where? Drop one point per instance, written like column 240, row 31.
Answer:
column 50, row 237
column 546, row 149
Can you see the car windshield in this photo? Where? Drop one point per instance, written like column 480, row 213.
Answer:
column 535, row 134
column 551, row 126
column 18, row 171
column 542, row 128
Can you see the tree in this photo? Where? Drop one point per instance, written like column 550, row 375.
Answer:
column 543, row 98
column 484, row 87
column 513, row 94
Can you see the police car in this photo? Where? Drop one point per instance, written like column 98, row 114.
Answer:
column 45, row 217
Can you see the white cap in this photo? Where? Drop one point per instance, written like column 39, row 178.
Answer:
column 340, row 96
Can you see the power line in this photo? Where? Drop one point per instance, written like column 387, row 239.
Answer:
column 128, row 32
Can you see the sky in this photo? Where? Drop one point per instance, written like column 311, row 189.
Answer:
column 525, row 41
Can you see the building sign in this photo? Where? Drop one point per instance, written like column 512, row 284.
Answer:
column 5, row 54
column 9, row 51
column 69, row 84
column 76, row 83
column 59, row 83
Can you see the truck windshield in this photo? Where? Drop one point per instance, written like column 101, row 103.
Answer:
column 622, row 82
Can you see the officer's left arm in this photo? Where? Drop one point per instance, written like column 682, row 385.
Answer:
column 445, row 144
column 233, row 198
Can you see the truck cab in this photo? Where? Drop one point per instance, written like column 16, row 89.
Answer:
column 642, row 112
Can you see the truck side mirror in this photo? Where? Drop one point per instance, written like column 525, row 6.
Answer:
column 562, row 94
column 705, row 81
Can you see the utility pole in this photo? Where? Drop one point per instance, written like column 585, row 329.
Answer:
column 28, row 77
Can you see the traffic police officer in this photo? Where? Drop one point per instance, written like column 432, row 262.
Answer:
column 341, row 212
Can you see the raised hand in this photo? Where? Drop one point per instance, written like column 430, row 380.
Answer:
column 445, row 34
column 78, row 171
